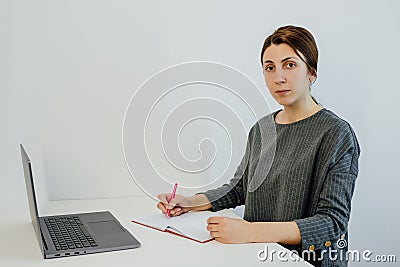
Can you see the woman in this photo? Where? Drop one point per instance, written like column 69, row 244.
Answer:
column 305, row 200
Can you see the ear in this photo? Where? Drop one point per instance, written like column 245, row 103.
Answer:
column 313, row 76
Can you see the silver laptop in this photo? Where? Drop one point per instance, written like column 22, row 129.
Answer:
column 74, row 234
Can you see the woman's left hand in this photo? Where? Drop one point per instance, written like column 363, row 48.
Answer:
column 230, row 230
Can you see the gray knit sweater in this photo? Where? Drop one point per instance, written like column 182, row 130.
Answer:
column 309, row 179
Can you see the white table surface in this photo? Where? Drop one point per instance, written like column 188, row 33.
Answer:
column 19, row 247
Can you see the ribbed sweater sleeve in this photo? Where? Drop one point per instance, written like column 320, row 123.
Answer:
column 313, row 168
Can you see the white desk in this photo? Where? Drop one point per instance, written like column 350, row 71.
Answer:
column 19, row 247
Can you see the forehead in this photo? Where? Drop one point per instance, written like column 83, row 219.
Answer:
column 276, row 53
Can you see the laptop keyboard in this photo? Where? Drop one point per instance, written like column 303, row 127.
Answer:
column 69, row 233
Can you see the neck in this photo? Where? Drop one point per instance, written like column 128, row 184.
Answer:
column 299, row 111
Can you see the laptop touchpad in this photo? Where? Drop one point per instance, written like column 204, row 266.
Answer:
column 106, row 227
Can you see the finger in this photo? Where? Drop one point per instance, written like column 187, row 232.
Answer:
column 215, row 235
column 213, row 220
column 162, row 207
column 172, row 211
column 184, row 210
column 177, row 211
column 212, row 227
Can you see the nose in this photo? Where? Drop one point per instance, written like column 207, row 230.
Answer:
column 279, row 77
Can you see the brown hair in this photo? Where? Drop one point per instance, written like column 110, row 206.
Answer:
column 300, row 40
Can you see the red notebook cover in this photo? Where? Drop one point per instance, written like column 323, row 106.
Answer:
column 175, row 233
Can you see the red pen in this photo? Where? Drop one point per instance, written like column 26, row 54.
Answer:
column 172, row 197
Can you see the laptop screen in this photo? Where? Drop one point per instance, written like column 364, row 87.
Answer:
column 30, row 191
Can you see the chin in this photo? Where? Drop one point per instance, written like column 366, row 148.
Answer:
column 283, row 102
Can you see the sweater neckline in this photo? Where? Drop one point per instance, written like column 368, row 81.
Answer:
column 300, row 121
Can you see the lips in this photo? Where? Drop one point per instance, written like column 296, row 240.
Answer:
column 282, row 92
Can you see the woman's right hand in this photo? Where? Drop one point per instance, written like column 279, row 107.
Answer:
column 179, row 205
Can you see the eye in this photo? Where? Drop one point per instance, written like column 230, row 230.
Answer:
column 290, row 65
column 269, row 68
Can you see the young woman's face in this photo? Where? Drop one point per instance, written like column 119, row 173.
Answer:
column 286, row 75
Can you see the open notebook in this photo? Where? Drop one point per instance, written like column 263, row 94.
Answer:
column 191, row 225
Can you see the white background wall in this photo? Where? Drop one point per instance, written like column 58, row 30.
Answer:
column 69, row 68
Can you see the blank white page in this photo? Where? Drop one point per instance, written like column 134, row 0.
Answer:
column 191, row 224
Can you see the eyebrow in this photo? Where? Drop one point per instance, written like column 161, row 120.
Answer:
column 283, row 60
